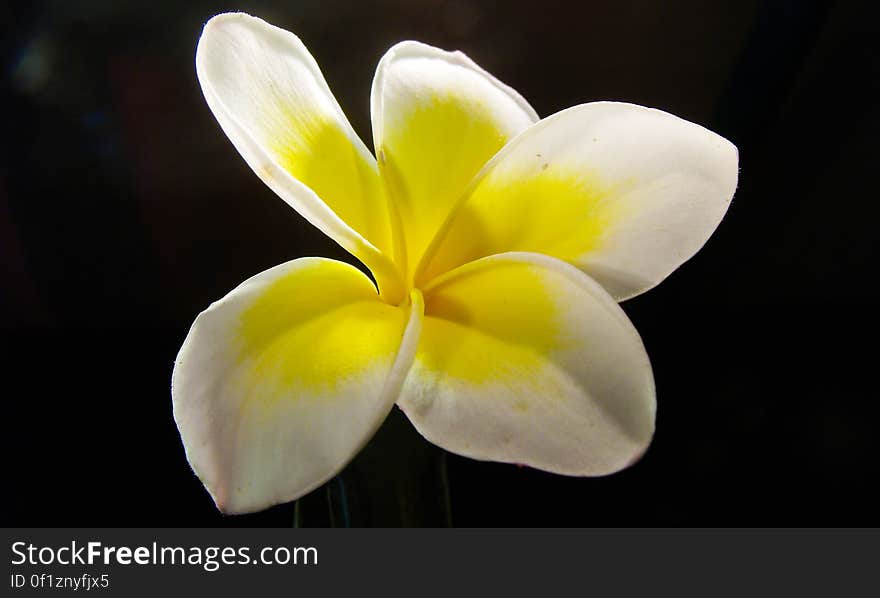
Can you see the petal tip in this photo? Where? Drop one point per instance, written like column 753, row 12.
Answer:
column 227, row 17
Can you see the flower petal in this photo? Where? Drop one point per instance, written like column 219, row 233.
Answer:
column 525, row 359
column 270, row 98
column 280, row 383
column 437, row 119
column 625, row 193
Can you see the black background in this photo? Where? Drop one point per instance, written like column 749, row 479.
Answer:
column 124, row 211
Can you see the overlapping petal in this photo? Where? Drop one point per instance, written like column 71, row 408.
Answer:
column 625, row 193
column 437, row 119
column 271, row 99
column 281, row 382
column 525, row 359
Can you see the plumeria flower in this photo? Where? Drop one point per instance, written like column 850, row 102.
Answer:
column 499, row 244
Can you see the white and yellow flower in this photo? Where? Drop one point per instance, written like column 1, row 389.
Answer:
column 500, row 245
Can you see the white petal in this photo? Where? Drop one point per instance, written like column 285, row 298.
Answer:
column 525, row 359
column 625, row 193
column 437, row 119
column 270, row 98
column 280, row 383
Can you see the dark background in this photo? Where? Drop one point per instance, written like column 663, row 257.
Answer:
column 124, row 211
